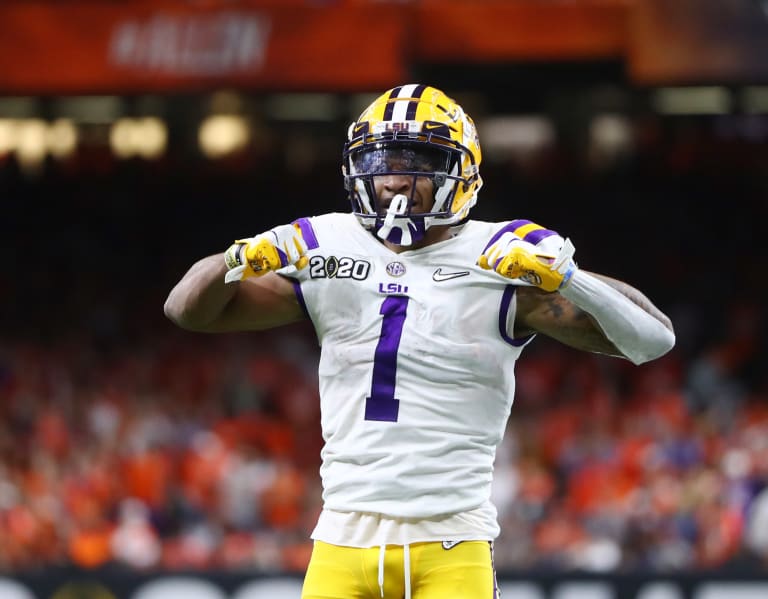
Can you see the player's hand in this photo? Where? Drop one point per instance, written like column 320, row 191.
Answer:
column 546, row 267
column 272, row 250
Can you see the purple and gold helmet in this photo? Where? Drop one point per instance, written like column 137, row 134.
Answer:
column 425, row 134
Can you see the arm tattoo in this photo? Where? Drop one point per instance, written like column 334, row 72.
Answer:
column 553, row 315
column 553, row 306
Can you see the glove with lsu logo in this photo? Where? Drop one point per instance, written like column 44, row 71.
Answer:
column 272, row 250
column 548, row 265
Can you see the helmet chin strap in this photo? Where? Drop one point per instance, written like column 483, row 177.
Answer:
column 397, row 207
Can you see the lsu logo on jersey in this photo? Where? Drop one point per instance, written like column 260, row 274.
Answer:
column 393, row 288
column 329, row 267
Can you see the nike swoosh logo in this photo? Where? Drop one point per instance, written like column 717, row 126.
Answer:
column 450, row 544
column 439, row 275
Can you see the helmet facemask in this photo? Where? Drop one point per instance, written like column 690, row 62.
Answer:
column 392, row 218
column 414, row 131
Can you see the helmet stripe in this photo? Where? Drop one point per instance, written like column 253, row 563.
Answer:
column 390, row 105
column 410, row 114
column 403, row 102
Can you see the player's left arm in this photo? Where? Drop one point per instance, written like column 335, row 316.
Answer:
column 579, row 308
column 554, row 315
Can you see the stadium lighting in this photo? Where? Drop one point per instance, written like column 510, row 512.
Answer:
column 61, row 138
column 7, row 136
column 223, row 134
column 610, row 136
column 121, row 138
column 146, row 137
column 32, row 139
column 31, row 142
column 152, row 137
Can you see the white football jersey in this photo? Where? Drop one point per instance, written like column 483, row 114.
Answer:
column 416, row 367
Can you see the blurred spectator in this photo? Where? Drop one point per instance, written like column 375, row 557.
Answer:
column 134, row 541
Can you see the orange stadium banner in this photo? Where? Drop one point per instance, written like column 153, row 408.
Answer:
column 139, row 46
column 103, row 47
column 500, row 30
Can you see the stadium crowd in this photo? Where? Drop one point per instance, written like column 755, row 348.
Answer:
column 204, row 454
column 125, row 442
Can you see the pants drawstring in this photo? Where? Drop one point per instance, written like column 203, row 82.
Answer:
column 407, row 570
column 382, row 550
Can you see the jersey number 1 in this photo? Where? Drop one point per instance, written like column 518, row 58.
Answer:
column 382, row 405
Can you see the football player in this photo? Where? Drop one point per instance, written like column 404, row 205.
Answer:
column 421, row 313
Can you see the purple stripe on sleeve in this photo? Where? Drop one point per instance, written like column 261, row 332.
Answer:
column 300, row 296
column 537, row 235
column 307, row 232
column 509, row 228
column 520, row 222
column 506, row 301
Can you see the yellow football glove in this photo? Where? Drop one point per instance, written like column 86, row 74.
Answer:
column 272, row 250
column 514, row 258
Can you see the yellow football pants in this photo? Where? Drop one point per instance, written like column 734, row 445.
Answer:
column 462, row 571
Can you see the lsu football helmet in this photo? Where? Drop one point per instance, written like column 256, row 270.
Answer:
column 417, row 131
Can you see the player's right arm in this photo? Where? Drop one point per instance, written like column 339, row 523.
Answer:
column 238, row 290
column 202, row 301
